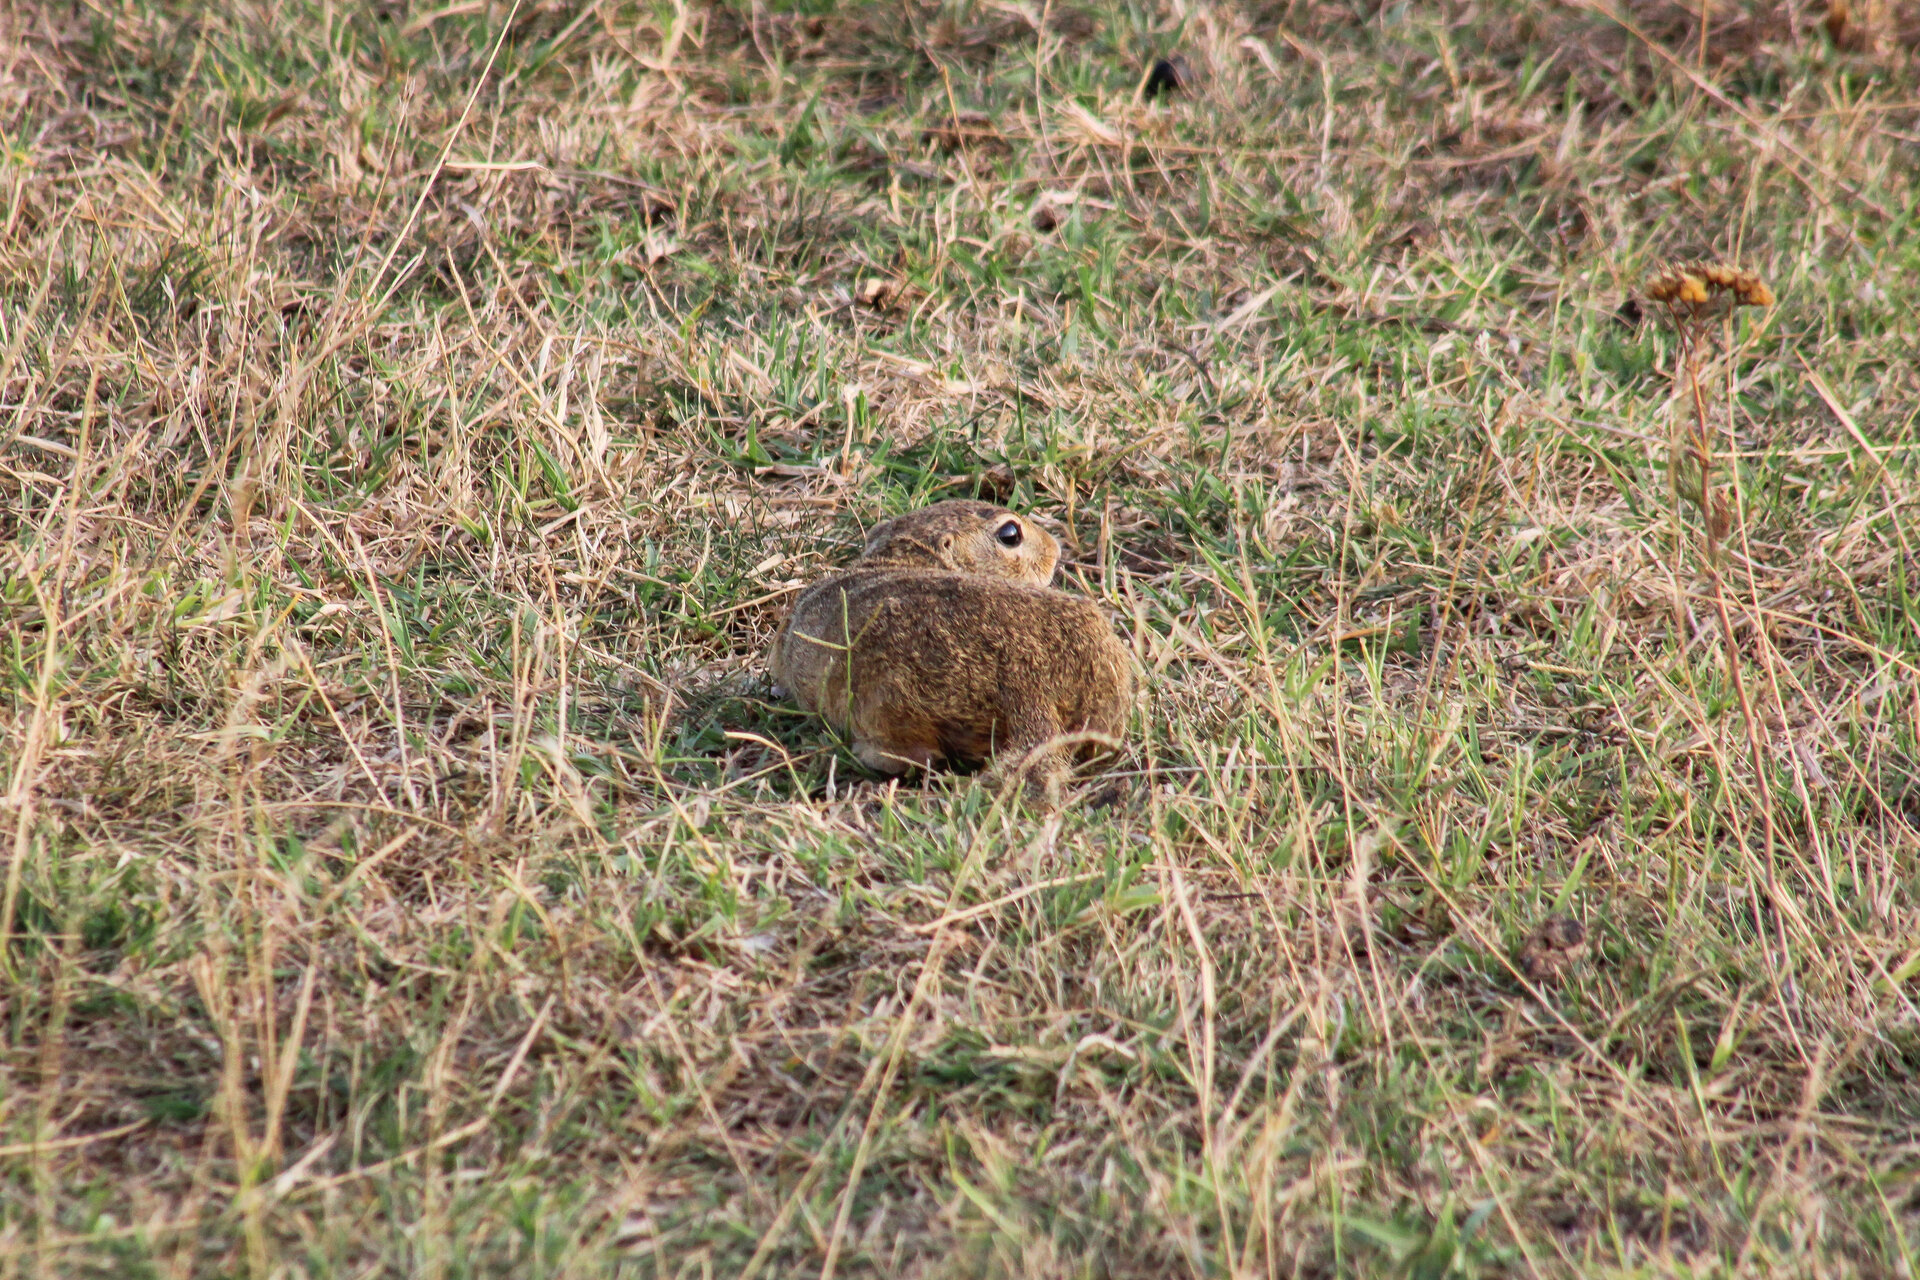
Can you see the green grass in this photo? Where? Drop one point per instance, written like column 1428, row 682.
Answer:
column 417, row 420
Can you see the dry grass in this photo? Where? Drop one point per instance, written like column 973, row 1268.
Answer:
column 416, row 418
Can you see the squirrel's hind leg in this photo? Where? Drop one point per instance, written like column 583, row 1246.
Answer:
column 1032, row 757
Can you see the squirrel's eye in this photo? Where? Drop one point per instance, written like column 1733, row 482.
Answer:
column 1009, row 534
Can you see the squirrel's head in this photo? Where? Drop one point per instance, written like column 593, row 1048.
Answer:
column 966, row 537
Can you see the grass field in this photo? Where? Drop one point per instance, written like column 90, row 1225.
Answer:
column 417, row 418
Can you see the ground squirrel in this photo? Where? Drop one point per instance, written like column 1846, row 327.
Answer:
column 943, row 642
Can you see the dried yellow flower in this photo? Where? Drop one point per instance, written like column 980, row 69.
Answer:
column 1708, row 287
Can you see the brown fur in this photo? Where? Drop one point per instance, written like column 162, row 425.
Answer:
column 924, row 654
column 961, row 536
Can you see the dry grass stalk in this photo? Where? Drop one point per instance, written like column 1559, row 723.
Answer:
column 1699, row 299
